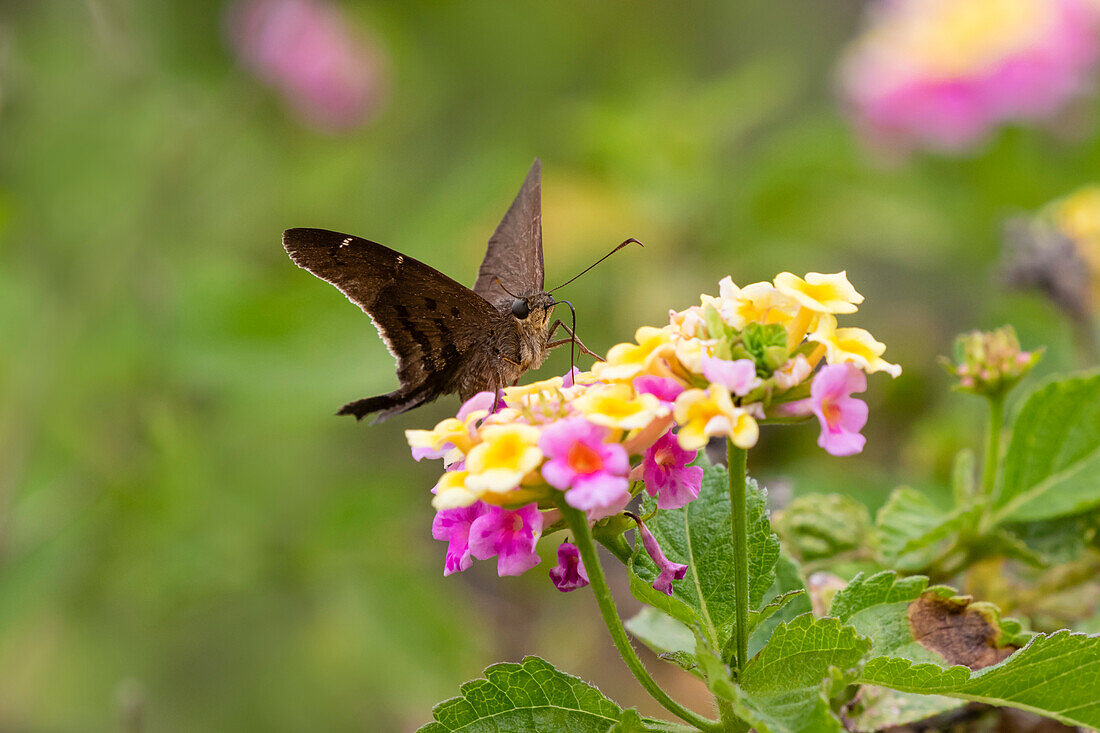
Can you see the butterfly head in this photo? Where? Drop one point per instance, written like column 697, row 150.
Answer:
column 533, row 311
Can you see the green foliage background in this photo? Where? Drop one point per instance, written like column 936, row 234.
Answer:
column 190, row 540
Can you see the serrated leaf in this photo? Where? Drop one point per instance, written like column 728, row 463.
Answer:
column 909, row 525
column 529, row 696
column 818, row 526
column 783, row 688
column 1056, row 675
column 1053, row 458
column 881, row 708
column 700, row 536
column 904, row 618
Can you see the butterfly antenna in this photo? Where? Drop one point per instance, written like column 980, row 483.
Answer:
column 498, row 282
column 632, row 240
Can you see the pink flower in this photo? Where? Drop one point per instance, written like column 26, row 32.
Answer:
column 663, row 388
column 510, row 535
column 841, row 415
column 453, row 527
column 667, row 474
column 668, row 571
column 739, row 377
column 569, row 376
column 592, row 472
column 569, row 574
column 943, row 73
column 481, row 401
column 306, row 49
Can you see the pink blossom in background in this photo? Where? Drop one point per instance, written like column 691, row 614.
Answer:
column 326, row 71
column 942, row 74
column 569, row 574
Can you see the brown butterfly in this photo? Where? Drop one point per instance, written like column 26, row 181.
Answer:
column 446, row 338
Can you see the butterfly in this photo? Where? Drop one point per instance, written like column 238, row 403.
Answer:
column 445, row 337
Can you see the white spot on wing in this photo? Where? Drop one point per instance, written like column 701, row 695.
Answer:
column 346, row 242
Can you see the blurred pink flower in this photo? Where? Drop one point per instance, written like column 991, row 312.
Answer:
column 841, row 415
column 942, row 74
column 328, row 73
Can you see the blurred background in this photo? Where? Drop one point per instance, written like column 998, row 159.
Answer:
column 189, row 539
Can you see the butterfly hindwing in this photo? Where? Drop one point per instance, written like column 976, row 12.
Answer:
column 432, row 324
column 514, row 255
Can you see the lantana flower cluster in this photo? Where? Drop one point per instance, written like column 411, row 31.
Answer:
column 942, row 74
column 767, row 352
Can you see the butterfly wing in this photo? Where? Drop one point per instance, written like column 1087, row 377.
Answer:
column 514, row 255
column 431, row 324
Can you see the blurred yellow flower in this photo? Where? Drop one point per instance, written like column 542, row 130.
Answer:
column 703, row 414
column 616, row 405
column 504, row 456
column 853, row 345
column 820, row 293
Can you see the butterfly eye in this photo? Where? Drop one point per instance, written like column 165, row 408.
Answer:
column 520, row 309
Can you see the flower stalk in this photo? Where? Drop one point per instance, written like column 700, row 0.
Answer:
column 736, row 458
column 582, row 535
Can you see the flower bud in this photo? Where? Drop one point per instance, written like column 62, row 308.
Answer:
column 990, row 363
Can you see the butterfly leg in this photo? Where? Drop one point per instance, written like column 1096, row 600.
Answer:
column 572, row 338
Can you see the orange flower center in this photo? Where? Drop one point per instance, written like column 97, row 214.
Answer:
column 664, row 457
column 831, row 411
column 583, row 459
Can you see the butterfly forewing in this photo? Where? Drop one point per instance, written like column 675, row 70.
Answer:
column 514, row 255
column 430, row 323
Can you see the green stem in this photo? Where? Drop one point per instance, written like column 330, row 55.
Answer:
column 736, row 458
column 578, row 523
column 992, row 454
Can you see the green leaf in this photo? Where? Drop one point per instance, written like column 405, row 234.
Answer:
column 1056, row 675
column 1052, row 465
column 881, row 708
column 665, row 636
column 783, row 689
column 1056, row 541
column 632, row 722
column 529, row 696
column 700, row 536
column 909, row 526
column 904, row 618
column 818, row 526
column 788, row 583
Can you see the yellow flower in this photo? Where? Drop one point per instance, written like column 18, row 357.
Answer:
column 451, row 491
column 452, row 431
column 852, row 345
column 627, row 360
column 616, row 405
column 755, row 303
column 820, row 293
column 703, row 414
column 688, row 321
column 504, row 456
